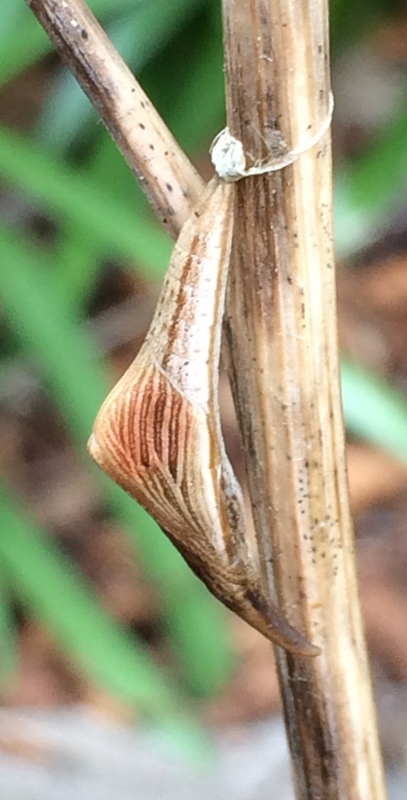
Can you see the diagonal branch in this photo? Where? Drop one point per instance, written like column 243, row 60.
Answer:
column 169, row 180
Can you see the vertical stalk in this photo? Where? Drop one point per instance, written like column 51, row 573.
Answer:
column 282, row 342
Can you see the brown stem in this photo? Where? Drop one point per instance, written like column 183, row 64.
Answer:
column 169, row 180
column 281, row 333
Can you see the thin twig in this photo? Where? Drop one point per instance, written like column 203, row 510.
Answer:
column 281, row 332
column 167, row 177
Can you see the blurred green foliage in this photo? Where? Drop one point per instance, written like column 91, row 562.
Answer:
column 68, row 171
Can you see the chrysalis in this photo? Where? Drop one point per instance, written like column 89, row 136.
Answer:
column 158, row 434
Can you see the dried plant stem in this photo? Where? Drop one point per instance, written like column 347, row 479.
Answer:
column 168, row 178
column 281, row 333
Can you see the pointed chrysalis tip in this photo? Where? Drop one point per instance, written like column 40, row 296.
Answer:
column 310, row 650
column 299, row 646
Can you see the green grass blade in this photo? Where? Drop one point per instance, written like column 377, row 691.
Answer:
column 106, row 164
column 69, row 363
column 374, row 410
column 67, row 358
column 25, row 42
column 69, row 196
column 365, row 192
column 79, row 263
column 346, row 27
column 54, row 592
column 8, row 647
column 197, row 113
